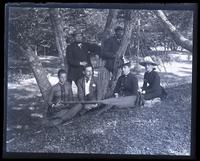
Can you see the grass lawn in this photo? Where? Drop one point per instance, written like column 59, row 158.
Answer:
column 163, row 129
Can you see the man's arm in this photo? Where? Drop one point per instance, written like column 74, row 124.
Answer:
column 144, row 87
column 96, row 88
column 117, row 87
column 71, row 98
column 81, row 91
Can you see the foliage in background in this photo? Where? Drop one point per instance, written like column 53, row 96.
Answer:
column 32, row 26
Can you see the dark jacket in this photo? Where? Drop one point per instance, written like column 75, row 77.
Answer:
column 55, row 94
column 75, row 54
column 127, row 85
column 109, row 50
column 154, row 88
column 81, row 90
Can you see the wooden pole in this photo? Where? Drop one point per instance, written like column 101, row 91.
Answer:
column 128, row 101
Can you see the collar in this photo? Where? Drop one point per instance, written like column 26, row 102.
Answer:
column 151, row 71
column 116, row 38
column 85, row 78
column 61, row 83
column 126, row 75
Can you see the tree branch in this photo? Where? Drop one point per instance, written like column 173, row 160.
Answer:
column 176, row 35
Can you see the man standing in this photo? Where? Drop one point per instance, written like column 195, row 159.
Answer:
column 87, row 87
column 78, row 55
column 110, row 48
column 127, row 84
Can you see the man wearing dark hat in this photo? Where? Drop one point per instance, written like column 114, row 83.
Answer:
column 78, row 55
column 151, row 77
column 127, row 84
column 110, row 48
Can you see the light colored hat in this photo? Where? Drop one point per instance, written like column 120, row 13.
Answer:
column 148, row 60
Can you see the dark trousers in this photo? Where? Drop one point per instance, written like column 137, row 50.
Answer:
column 63, row 116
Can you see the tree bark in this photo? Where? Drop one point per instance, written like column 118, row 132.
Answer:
column 59, row 35
column 109, row 23
column 121, row 52
column 176, row 35
column 38, row 71
column 104, row 75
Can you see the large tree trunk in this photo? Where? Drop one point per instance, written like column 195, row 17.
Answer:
column 121, row 52
column 108, row 90
column 59, row 35
column 176, row 35
column 109, row 23
column 38, row 71
column 103, row 78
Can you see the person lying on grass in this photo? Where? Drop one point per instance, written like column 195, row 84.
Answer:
column 151, row 86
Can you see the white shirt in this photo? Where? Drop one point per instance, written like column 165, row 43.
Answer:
column 87, row 86
column 80, row 45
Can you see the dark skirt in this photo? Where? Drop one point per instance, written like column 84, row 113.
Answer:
column 159, row 93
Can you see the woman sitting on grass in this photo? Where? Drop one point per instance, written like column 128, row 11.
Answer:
column 151, row 87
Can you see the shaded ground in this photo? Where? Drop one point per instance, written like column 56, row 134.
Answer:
column 161, row 129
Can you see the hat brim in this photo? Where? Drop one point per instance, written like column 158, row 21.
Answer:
column 125, row 64
column 76, row 33
column 145, row 63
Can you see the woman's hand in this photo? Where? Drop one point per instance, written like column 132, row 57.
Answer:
column 141, row 91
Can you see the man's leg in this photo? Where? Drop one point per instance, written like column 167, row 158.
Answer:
column 63, row 115
column 67, row 114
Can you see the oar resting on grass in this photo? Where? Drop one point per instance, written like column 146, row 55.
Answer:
column 67, row 114
column 128, row 101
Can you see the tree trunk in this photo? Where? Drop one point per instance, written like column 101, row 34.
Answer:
column 109, row 23
column 59, row 35
column 39, row 72
column 176, row 35
column 121, row 52
column 104, row 75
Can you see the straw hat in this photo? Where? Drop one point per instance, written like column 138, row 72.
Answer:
column 148, row 60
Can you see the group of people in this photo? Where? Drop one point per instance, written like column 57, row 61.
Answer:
column 80, row 70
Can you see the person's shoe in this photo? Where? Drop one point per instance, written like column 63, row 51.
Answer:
column 147, row 103
column 156, row 101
